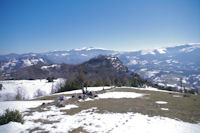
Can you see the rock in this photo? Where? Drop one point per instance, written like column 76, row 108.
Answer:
column 1, row 86
column 74, row 96
column 90, row 93
column 60, row 104
column 61, row 98
column 185, row 95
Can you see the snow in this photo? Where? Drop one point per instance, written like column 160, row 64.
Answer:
column 83, row 55
column 165, row 109
column 152, row 73
column 10, row 63
column 28, row 88
column 143, row 69
column 107, row 122
column 120, row 95
column 51, row 66
column 147, row 88
column 88, row 49
column 161, row 102
column 69, row 106
column 65, row 54
column 132, row 62
column 161, row 50
column 12, row 127
column 191, row 48
column 145, row 52
column 30, row 62
column 20, row 105
column 143, row 62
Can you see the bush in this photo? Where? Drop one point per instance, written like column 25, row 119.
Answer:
column 69, row 86
column 50, row 79
column 9, row 116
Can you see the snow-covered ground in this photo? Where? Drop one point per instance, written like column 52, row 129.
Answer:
column 28, row 89
column 20, row 105
column 115, row 95
column 92, row 121
column 161, row 102
column 96, row 122
column 120, row 95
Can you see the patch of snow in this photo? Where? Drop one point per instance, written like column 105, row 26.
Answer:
column 51, row 66
column 20, row 105
column 30, row 62
column 166, row 109
column 147, row 88
column 169, row 61
column 120, row 95
column 143, row 62
column 161, row 50
column 65, row 54
column 10, row 63
column 67, row 107
column 143, row 69
column 152, row 73
column 13, row 127
column 145, row 52
column 83, row 55
column 190, row 48
column 161, row 102
column 28, row 89
column 88, row 49
column 133, row 62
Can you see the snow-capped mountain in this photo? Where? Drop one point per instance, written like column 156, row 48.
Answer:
column 166, row 66
column 76, row 56
column 12, row 63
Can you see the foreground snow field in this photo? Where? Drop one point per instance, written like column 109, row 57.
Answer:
column 20, row 105
column 28, row 89
column 95, row 122
column 88, row 115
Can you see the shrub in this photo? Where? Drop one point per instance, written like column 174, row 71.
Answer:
column 69, row 86
column 8, row 116
column 50, row 79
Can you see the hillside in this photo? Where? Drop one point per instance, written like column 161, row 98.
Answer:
column 126, row 110
column 164, row 66
column 99, row 69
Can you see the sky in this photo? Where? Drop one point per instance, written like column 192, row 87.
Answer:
column 126, row 25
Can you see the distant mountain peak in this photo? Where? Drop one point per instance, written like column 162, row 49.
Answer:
column 88, row 48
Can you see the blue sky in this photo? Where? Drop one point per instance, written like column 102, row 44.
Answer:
column 46, row 25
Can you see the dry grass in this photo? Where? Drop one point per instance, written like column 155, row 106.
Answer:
column 183, row 108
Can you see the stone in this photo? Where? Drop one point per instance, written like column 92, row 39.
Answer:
column 60, row 104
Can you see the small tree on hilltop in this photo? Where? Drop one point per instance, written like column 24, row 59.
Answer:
column 81, row 79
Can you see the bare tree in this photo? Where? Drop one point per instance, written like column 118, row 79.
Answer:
column 81, row 79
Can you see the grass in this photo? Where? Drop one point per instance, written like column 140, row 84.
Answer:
column 45, row 121
column 182, row 108
column 78, row 130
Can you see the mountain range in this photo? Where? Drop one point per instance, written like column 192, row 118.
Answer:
column 176, row 66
